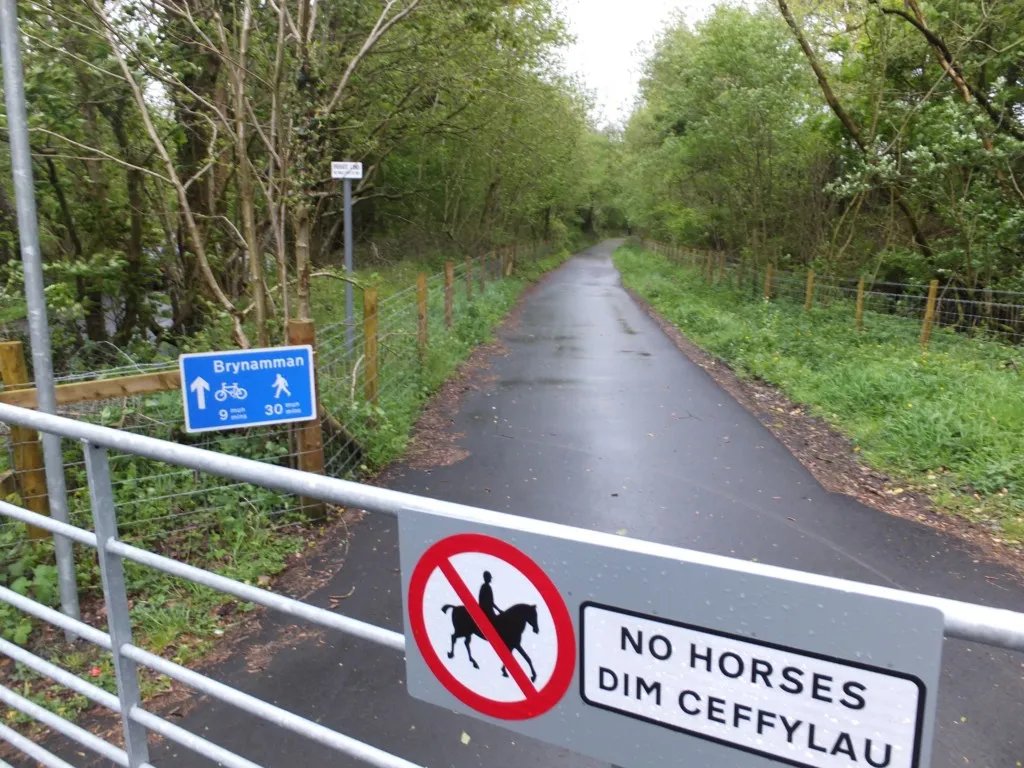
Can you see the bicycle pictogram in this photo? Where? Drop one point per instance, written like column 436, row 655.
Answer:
column 230, row 390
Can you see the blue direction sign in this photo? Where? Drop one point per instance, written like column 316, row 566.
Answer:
column 247, row 388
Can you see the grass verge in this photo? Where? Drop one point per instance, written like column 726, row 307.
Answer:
column 948, row 421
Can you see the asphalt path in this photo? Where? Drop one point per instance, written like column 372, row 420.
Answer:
column 595, row 419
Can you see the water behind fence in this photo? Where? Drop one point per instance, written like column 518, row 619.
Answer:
column 370, row 392
column 969, row 312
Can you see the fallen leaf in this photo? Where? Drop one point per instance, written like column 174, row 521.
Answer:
column 621, row 532
column 465, row 738
column 95, row 671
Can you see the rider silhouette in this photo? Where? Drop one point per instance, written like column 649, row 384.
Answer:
column 487, row 598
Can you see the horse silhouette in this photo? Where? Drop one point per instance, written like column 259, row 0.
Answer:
column 509, row 625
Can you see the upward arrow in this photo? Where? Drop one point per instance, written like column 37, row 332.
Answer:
column 200, row 386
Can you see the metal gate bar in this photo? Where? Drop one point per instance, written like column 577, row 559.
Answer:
column 386, row 637
column 30, row 748
column 962, row 620
column 74, row 626
column 127, row 704
column 152, row 722
column 63, row 727
column 269, row 712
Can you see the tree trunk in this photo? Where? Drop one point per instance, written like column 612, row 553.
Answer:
column 245, row 189
column 302, row 223
column 134, row 289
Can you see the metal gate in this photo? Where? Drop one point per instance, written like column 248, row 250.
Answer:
column 965, row 621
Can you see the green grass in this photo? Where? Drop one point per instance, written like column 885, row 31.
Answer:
column 949, row 421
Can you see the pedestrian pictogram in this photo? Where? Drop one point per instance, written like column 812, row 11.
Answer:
column 491, row 626
column 280, row 386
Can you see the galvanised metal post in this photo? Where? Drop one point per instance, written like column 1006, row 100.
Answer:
column 350, row 331
column 101, row 497
column 35, row 298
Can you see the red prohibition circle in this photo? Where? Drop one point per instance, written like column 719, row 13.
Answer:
column 534, row 703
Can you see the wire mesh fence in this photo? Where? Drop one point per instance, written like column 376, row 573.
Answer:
column 967, row 313
column 370, row 391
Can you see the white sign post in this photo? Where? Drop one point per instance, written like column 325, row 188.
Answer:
column 348, row 171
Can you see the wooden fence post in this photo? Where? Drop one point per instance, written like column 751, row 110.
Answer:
column 421, row 314
column 449, row 289
column 469, row 279
column 768, row 281
column 28, row 452
column 929, row 313
column 860, row 304
column 309, row 436
column 371, row 349
column 809, row 297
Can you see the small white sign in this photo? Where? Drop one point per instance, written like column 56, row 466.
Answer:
column 802, row 708
column 346, row 170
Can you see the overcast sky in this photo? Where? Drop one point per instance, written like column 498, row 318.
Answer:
column 612, row 37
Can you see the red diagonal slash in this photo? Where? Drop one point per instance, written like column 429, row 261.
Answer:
column 485, row 626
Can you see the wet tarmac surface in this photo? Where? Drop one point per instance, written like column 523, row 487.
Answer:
column 596, row 420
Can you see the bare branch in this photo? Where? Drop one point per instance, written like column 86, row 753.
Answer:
column 101, row 153
column 344, row 278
